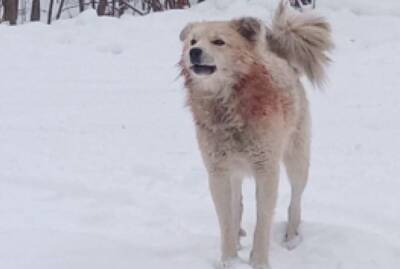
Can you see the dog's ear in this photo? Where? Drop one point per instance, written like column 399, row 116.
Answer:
column 248, row 27
column 185, row 31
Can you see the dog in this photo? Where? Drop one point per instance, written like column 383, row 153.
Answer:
column 251, row 112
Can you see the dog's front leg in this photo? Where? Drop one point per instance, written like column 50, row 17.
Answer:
column 266, row 193
column 237, row 208
column 221, row 192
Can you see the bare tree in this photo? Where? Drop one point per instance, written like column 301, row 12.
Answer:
column 122, row 7
column 10, row 11
column 156, row 5
column 81, row 5
column 35, row 12
column 60, row 8
column 50, row 14
column 101, row 7
column 182, row 3
column 113, row 8
column 169, row 4
column 3, row 4
column 22, row 11
column 173, row 4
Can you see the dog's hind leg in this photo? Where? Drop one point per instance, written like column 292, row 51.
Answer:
column 296, row 160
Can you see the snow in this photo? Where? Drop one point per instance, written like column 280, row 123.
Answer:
column 99, row 166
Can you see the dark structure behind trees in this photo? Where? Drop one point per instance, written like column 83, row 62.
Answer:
column 35, row 12
column 10, row 13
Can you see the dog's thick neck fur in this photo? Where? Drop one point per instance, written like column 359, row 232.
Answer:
column 250, row 97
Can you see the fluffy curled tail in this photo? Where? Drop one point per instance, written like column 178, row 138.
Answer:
column 303, row 39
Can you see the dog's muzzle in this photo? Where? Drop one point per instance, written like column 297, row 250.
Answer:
column 196, row 55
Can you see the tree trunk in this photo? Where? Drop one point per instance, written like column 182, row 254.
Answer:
column 81, row 5
column 4, row 4
column 101, row 7
column 35, row 12
column 60, row 8
column 121, row 8
column 169, row 4
column 113, row 8
column 50, row 14
column 10, row 11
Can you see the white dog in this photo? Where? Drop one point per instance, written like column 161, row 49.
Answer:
column 251, row 112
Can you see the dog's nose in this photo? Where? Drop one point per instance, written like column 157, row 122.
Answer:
column 195, row 55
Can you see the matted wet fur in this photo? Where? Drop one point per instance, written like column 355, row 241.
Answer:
column 251, row 112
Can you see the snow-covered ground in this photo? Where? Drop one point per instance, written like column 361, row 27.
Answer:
column 99, row 166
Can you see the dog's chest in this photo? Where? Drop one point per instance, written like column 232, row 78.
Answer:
column 218, row 115
column 222, row 125
column 226, row 141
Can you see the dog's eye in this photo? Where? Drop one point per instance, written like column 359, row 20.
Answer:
column 193, row 41
column 218, row 42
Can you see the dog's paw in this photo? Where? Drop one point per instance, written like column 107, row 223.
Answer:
column 291, row 242
column 255, row 265
column 230, row 263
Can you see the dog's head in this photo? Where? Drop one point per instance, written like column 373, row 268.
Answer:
column 216, row 51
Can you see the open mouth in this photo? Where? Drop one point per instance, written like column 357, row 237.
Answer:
column 203, row 69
